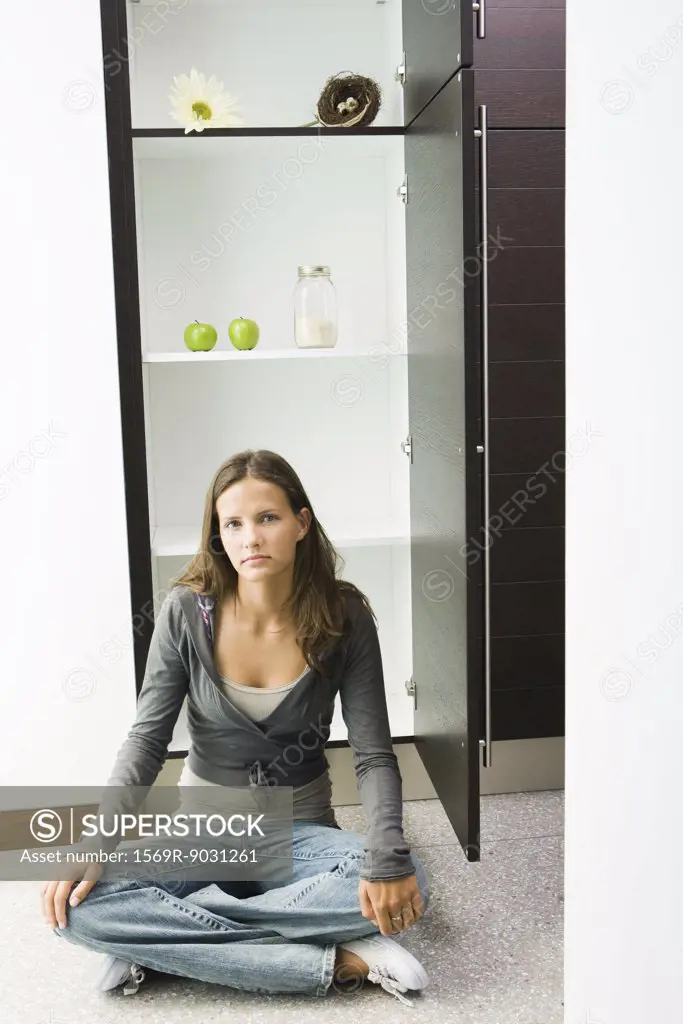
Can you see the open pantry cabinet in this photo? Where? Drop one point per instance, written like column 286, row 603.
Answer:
column 382, row 428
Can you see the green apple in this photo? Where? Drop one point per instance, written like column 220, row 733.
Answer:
column 200, row 337
column 243, row 333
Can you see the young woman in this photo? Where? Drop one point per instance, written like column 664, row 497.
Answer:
column 260, row 635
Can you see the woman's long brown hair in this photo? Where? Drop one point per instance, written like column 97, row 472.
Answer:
column 318, row 599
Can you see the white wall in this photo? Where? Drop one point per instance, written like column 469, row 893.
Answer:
column 67, row 695
column 624, row 778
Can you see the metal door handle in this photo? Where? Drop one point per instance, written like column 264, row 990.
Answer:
column 482, row 134
column 479, row 8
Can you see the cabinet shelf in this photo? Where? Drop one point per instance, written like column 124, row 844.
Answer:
column 258, row 131
column 240, row 144
column 227, row 355
column 183, row 541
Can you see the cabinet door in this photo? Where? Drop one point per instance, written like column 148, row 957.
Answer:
column 437, row 39
column 521, row 65
column 526, row 177
column 444, row 406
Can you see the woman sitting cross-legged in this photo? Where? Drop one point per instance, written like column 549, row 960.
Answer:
column 260, row 635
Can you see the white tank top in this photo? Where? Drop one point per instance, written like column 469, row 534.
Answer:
column 257, row 702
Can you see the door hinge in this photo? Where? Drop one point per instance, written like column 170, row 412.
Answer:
column 402, row 190
column 407, row 447
column 411, row 689
column 400, row 72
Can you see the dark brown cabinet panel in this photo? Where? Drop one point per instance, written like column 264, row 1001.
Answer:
column 506, row 5
column 527, row 499
column 520, row 77
column 522, row 38
column 526, row 389
column 527, row 554
column 529, row 216
column 520, row 66
column 527, row 609
column 527, row 661
column 527, row 158
column 526, row 202
column 526, row 332
column 528, row 714
column 527, row 446
column 526, row 274
column 522, row 99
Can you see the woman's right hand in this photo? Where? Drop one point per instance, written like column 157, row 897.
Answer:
column 55, row 894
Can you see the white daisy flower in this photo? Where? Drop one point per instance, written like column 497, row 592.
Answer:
column 199, row 103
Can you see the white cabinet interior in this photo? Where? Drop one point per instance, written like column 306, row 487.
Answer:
column 222, row 224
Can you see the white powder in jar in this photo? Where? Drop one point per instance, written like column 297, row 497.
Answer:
column 314, row 332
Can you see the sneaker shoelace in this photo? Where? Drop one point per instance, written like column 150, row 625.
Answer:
column 381, row 976
column 137, row 976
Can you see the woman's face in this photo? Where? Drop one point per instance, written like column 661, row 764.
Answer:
column 255, row 518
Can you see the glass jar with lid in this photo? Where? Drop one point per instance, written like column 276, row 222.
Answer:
column 315, row 308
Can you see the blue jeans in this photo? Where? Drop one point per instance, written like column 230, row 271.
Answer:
column 282, row 938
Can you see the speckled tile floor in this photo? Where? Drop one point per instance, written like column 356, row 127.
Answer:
column 491, row 941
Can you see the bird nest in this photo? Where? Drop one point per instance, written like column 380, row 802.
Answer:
column 348, row 101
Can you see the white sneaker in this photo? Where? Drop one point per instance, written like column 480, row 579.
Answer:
column 116, row 972
column 391, row 966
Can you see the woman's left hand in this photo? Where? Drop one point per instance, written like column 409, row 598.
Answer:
column 398, row 898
